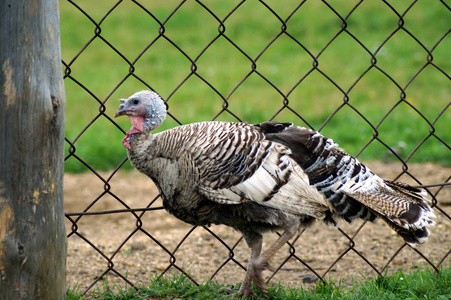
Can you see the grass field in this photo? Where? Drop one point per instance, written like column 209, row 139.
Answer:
column 422, row 284
column 285, row 64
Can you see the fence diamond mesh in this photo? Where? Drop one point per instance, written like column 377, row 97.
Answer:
column 358, row 71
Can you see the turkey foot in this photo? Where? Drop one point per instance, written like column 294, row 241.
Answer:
column 254, row 274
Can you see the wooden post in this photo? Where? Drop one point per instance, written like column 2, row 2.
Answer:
column 32, row 231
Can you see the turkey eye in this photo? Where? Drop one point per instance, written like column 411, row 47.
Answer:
column 135, row 101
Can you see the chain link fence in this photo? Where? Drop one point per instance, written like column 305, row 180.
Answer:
column 346, row 62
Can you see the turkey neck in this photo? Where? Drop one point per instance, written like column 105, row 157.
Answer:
column 143, row 148
column 159, row 159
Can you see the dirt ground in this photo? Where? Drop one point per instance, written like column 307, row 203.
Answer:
column 146, row 252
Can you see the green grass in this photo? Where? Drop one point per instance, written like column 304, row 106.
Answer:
column 130, row 29
column 421, row 284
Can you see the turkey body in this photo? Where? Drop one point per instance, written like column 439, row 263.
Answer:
column 197, row 166
column 266, row 177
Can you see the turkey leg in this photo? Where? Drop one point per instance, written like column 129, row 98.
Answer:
column 259, row 262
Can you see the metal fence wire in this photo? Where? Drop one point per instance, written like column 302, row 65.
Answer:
column 221, row 252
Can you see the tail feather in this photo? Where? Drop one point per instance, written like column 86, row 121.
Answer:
column 404, row 208
column 410, row 236
column 418, row 217
column 352, row 190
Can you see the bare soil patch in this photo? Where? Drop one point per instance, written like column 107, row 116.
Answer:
column 201, row 254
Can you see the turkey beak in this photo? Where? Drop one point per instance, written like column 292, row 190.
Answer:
column 122, row 110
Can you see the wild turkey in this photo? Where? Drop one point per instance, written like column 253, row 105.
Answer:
column 266, row 177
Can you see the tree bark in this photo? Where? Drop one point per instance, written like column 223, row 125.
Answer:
column 32, row 230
